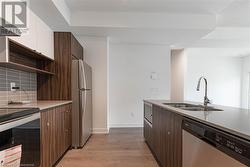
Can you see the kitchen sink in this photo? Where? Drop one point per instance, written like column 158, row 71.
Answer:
column 192, row 107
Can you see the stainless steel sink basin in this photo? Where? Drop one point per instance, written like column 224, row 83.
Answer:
column 192, row 107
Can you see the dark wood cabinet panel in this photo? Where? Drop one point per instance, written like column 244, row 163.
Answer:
column 76, row 48
column 45, row 144
column 59, row 132
column 47, row 138
column 55, row 134
column 160, row 129
column 175, row 140
column 68, row 126
column 58, row 87
column 166, row 137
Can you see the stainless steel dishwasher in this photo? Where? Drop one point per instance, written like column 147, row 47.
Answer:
column 205, row 146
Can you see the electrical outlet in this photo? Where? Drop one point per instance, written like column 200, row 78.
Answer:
column 12, row 85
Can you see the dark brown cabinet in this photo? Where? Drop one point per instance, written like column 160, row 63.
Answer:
column 55, row 134
column 58, row 87
column 166, row 137
column 76, row 48
column 47, row 142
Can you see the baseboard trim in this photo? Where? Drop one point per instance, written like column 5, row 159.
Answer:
column 126, row 125
column 100, row 131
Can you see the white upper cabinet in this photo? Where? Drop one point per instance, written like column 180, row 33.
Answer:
column 39, row 37
column 45, row 39
column 29, row 38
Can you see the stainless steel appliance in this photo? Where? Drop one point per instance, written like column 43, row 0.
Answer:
column 82, row 103
column 21, row 127
column 205, row 146
column 148, row 113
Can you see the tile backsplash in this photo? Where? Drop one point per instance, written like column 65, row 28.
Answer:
column 26, row 81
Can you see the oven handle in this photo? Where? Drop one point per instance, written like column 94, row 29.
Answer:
column 18, row 122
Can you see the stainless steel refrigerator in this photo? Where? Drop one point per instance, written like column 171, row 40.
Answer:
column 82, row 103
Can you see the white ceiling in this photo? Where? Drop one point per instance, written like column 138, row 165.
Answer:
column 170, row 6
column 183, row 23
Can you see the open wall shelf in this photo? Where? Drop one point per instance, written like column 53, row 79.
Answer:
column 18, row 56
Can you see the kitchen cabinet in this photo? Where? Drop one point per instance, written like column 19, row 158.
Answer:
column 17, row 56
column 76, row 48
column 39, row 36
column 66, row 49
column 45, row 39
column 47, row 138
column 29, row 39
column 55, row 134
column 166, row 137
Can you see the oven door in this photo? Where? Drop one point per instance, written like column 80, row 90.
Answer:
column 24, row 132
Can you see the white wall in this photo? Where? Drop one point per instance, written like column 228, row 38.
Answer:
column 131, row 67
column 223, row 74
column 96, row 55
column 245, row 82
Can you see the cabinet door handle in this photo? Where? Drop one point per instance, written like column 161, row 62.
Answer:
column 48, row 124
column 169, row 132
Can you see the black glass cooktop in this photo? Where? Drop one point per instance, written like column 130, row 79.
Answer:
column 7, row 114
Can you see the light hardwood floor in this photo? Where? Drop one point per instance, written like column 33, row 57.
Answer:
column 120, row 148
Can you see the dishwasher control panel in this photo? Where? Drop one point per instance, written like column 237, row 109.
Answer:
column 235, row 145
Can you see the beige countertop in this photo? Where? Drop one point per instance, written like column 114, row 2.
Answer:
column 42, row 105
column 232, row 120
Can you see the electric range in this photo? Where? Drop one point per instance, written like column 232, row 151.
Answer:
column 8, row 114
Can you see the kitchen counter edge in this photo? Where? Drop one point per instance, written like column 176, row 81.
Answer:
column 42, row 105
column 180, row 112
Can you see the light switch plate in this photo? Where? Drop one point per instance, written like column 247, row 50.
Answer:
column 12, row 84
column 154, row 76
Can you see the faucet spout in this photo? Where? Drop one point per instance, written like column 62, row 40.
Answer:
column 206, row 100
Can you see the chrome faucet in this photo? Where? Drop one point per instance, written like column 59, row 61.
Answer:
column 206, row 100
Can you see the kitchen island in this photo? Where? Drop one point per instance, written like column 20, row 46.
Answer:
column 230, row 119
column 163, row 127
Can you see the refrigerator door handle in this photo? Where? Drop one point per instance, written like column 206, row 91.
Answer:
column 83, row 99
column 83, row 104
column 82, row 77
